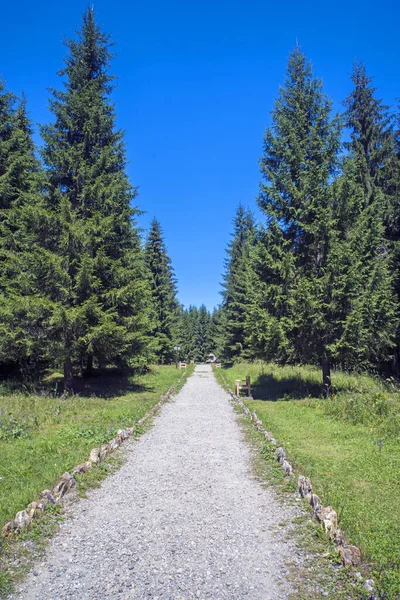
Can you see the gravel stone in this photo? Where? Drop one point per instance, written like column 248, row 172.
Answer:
column 183, row 518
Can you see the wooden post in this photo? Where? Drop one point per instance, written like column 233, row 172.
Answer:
column 243, row 384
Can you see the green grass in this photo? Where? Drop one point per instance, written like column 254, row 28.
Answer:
column 44, row 435
column 318, row 572
column 348, row 445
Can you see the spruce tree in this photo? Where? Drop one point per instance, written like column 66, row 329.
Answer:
column 100, row 299
column 203, row 335
column 392, row 222
column 300, row 158
column 321, row 280
column 187, row 327
column 217, row 332
column 270, row 278
column 371, row 171
column 21, row 311
column 163, row 291
column 371, row 139
column 235, row 292
column 391, row 187
column 362, row 310
column 15, row 183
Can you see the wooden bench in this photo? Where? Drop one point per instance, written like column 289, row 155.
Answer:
column 242, row 384
column 182, row 365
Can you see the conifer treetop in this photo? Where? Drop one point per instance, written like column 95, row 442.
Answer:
column 300, row 148
column 371, row 128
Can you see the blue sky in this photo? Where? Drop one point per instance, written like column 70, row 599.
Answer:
column 197, row 81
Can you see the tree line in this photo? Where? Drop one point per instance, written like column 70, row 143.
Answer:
column 318, row 280
column 77, row 287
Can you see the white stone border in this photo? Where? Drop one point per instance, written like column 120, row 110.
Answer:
column 350, row 555
column 67, row 481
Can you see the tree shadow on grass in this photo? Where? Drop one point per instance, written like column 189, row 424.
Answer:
column 105, row 383
column 109, row 383
column 268, row 387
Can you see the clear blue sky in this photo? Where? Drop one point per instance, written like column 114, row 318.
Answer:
column 197, row 80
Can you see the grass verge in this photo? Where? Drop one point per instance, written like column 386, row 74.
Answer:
column 348, row 445
column 48, row 434
column 319, row 572
column 45, row 435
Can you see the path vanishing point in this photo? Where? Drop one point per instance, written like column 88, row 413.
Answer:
column 183, row 518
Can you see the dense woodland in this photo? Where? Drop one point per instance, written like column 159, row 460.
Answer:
column 316, row 282
column 77, row 287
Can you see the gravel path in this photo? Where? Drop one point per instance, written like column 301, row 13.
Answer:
column 183, row 518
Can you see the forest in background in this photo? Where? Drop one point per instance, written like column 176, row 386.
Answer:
column 316, row 282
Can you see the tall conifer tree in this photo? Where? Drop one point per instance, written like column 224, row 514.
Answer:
column 270, row 279
column 21, row 312
column 203, row 341
column 392, row 222
column 322, row 288
column 371, row 143
column 300, row 158
column 235, row 292
column 100, row 300
column 187, row 326
column 163, row 291
column 362, row 311
column 370, row 173
column 217, row 332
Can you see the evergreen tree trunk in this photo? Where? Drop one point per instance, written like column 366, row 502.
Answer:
column 326, row 376
column 89, row 365
column 396, row 361
column 68, row 378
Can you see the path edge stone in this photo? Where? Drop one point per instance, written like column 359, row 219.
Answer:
column 67, row 481
column 326, row 516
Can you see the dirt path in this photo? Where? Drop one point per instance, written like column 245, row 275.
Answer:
column 183, row 518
